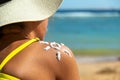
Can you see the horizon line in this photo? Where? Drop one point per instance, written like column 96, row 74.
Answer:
column 88, row 10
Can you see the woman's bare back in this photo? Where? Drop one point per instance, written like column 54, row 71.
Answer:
column 43, row 61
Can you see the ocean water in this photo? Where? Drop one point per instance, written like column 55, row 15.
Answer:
column 85, row 31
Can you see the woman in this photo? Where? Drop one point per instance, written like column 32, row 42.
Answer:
column 23, row 53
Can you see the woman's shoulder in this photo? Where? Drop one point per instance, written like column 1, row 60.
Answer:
column 59, row 58
column 57, row 50
column 50, row 58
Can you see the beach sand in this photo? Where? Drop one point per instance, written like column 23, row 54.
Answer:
column 100, row 70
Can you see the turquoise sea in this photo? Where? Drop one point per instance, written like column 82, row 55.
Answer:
column 85, row 30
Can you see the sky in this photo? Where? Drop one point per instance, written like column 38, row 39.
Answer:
column 91, row 4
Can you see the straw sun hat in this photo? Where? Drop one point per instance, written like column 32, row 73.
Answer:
column 13, row 11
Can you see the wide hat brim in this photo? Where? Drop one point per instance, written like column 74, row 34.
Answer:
column 27, row 10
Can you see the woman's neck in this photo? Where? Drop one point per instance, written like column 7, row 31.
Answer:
column 8, row 39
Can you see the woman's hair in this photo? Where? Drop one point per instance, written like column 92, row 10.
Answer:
column 4, row 1
column 11, row 28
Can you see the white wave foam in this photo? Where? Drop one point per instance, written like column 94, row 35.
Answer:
column 86, row 14
column 90, row 59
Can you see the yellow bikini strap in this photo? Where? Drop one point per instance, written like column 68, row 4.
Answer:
column 17, row 50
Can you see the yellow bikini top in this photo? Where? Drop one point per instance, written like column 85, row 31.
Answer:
column 4, row 76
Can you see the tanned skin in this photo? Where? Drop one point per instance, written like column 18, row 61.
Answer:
column 34, row 63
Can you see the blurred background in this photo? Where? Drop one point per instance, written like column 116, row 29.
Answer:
column 87, row 27
column 91, row 28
